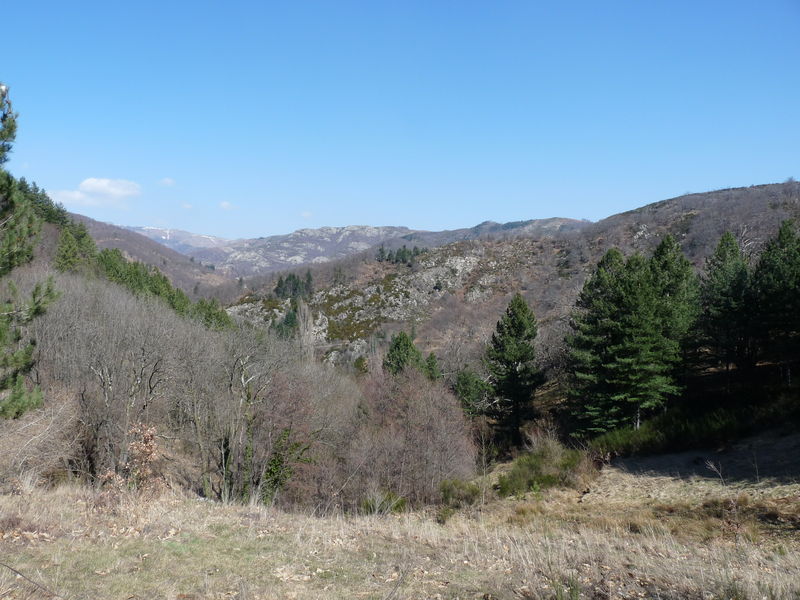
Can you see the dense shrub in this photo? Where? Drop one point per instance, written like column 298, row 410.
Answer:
column 413, row 436
column 382, row 503
column 548, row 464
column 457, row 493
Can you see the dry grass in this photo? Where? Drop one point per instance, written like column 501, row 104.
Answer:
column 602, row 547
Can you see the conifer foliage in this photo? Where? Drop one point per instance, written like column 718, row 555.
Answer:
column 510, row 360
column 19, row 227
column 403, row 354
column 776, row 295
column 726, row 321
column 630, row 334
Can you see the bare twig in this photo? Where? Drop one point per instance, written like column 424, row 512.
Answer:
column 31, row 581
column 396, row 587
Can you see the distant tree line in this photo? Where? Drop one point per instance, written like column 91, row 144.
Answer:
column 149, row 281
column 402, row 255
column 47, row 210
column 293, row 286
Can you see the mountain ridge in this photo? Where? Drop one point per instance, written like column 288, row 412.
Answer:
column 306, row 246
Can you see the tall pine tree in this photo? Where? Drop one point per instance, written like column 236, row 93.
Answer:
column 631, row 329
column 776, row 295
column 511, row 362
column 725, row 322
column 18, row 229
column 596, row 330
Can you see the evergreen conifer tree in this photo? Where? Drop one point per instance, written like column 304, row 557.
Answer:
column 401, row 354
column 431, row 368
column 676, row 290
column 473, row 392
column 67, row 257
column 510, row 360
column 595, row 330
column 725, row 320
column 630, row 333
column 18, row 228
column 776, row 295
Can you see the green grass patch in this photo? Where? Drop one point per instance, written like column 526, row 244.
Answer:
column 549, row 465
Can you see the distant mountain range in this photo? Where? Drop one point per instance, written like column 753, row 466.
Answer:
column 212, row 263
column 246, row 257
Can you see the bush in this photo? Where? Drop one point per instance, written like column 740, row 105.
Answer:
column 548, row 465
column 383, row 503
column 457, row 493
column 412, row 436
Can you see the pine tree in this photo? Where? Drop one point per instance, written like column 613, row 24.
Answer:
column 776, row 295
column 431, row 368
column 401, row 354
column 19, row 225
column 629, row 334
column 280, row 288
column 67, row 257
column 17, row 351
column 595, row 329
column 644, row 358
column 8, row 124
column 676, row 292
column 473, row 392
column 725, row 320
column 18, row 228
column 510, row 360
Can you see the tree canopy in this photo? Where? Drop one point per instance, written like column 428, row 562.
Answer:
column 511, row 362
column 630, row 331
column 19, row 226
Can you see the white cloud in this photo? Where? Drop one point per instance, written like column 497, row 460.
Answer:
column 186, row 205
column 306, row 214
column 72, row 198
column 111, row 188
column 166, row 182
column 225, row 205
column 99, row 192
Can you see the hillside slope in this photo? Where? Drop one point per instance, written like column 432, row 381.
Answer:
column 185, row 273
column 453, row 295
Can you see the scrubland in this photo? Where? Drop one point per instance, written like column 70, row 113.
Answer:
column 632, row 533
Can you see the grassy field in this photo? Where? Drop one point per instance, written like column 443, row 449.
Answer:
column 636, row 532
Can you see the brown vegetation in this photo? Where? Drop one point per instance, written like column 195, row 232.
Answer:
column 238, row 414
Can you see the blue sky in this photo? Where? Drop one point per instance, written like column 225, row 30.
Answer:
column 244, row 119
